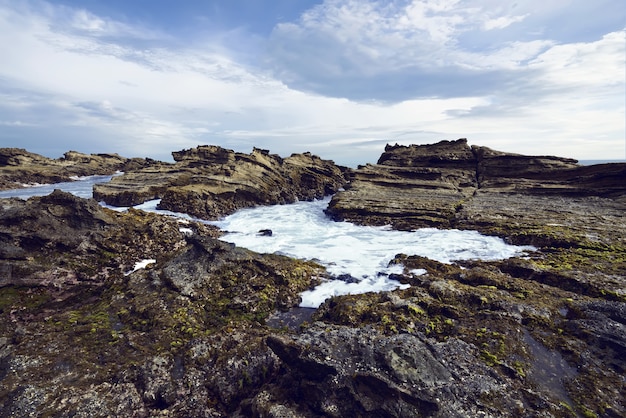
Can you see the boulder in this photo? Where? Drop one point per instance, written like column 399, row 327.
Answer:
column 347, row 371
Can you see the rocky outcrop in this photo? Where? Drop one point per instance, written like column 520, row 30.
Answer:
column 554, row 322
column 210, row 181
column 20, row 168
column 545, row 175
column 427, row 185
column 84, row 334
column 409, row 186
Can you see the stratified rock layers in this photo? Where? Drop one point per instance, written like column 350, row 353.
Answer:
column 428, row 185
column 210, row 181
column 19, row 167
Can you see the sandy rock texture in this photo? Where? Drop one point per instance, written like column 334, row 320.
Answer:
column 210, row 181
column 20, row 168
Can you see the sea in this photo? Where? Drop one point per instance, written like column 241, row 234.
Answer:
column 593, row 162
column 357, row 257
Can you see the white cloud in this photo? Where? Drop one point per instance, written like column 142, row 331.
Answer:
column 13, row 123
column 599, row 63
column 349, row 75
column 502, row 22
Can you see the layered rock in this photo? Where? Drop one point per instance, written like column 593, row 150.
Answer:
column 553, row 322
column 545, row 175
column 427, row 185
column 210, row 181
column 19, row 168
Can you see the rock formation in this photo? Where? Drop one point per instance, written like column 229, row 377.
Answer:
column 427, row 185
column 210, row 181
column 82, row 334
column 19, row 167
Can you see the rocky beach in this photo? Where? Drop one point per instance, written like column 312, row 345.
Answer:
column 210, row 329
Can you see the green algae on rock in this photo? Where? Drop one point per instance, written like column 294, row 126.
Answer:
column 542, row 335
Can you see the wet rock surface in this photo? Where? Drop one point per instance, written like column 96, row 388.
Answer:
column 210, row 181
column 81, row 334
column 209, row 330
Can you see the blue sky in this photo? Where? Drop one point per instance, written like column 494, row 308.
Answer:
column 339, row 78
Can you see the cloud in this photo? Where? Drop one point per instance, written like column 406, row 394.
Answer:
column 354, row 47
column 502, row 22
column 341, row 80
column 401, row 50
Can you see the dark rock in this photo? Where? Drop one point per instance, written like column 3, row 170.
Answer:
column 343, row 371
column 347, row 278
column 266, row 232
column 79, row 337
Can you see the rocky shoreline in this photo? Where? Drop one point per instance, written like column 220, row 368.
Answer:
column 20, row 168
column 192, row 335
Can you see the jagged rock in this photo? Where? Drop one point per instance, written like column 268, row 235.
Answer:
column 409, row 186
column 542, row 314
column 514, row 173
column 345, row 371
column 210, row 181
column 19, row 167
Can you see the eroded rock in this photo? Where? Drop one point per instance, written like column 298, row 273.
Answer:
column 210, row 181
column 19, row 168
column 81, row 336
column 543, row 335
column 429, row 185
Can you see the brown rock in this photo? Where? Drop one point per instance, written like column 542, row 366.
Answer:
column 427, row 185
column 410, row 186
column 210, row 181
column 19, row 167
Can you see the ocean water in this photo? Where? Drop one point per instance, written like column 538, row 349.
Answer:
column 81, row 187
column 594, row 162
column 357, row 256
column 360, row 255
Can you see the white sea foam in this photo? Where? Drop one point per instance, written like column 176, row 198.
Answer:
column 302, row 230
column 141, row 265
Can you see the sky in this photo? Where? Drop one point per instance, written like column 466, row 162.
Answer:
column 338, row 78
